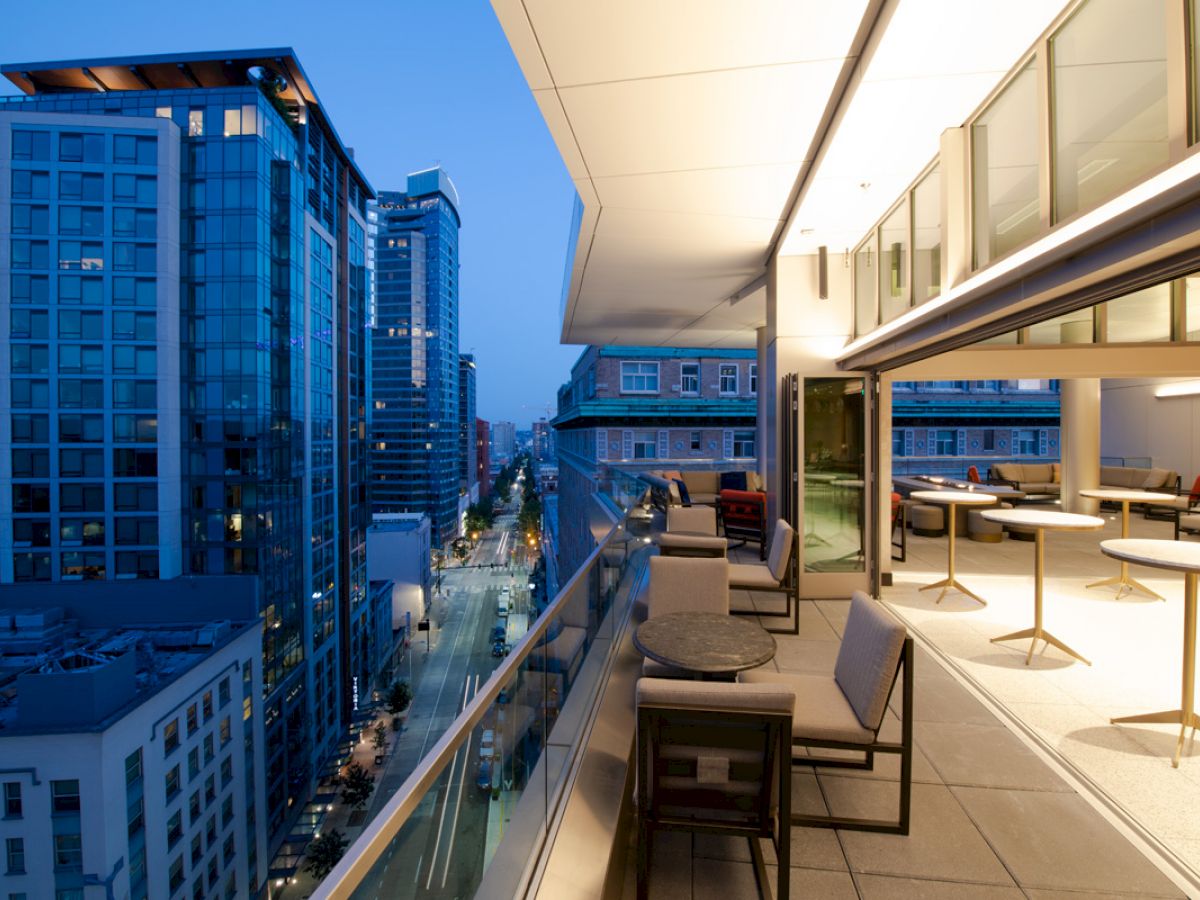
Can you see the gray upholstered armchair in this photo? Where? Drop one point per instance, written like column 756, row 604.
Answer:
column 698, row 525
column 845, row 710
column 713, row 758
column 684, row 585
column 778, row 574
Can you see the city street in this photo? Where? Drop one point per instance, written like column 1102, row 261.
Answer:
column 442, row 850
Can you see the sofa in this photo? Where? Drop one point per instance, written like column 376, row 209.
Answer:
column 703, row 486
column 1133, row 478
column 1029, row 478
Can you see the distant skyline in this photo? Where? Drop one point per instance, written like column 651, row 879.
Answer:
column 408, row 85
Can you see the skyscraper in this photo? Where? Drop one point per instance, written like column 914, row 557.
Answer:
column 467, row 454
column 188, row 296
column 483, row 462
column 414, row 346
column 504, row 441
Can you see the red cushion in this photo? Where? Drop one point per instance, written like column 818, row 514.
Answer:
column 743, row 506
column 1194, row 496
column 973, row 474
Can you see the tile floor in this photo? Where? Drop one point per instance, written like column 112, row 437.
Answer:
column 990, row 818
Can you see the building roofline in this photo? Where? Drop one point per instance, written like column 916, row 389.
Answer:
column 178, row 71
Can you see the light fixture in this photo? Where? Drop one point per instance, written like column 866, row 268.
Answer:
column 1179, row 389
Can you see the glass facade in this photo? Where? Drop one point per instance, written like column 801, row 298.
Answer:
column 834, row 443
column 190, row 344
column 1110, row 101
column 893, row 264
column 1004, row 161
column 414, row 354
column 865, row 317
column 927, row 237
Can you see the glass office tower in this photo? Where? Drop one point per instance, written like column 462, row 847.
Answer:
column 414, row 353
column 467, row 456
column 185, row 316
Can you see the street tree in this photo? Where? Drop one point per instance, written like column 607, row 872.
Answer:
column 398, row 697
column 379, row 736
column 324, row 852
column 357, row 786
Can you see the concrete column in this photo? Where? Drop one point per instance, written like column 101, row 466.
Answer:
column 1080, row 439
column 768, row 399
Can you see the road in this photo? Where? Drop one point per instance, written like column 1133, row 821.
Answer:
column 440, row 853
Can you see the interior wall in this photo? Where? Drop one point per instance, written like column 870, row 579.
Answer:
column 1134, row 422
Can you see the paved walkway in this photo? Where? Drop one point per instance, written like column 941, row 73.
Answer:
column 990, row 819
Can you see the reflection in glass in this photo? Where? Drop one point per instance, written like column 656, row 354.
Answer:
column 1110, row 101
column 893, row 264
column 1141, row 316
column 1073, row 328
column 927, row 237
column 1004, row 169
column 834, row 512
column 864, row 290
column 1192, row 308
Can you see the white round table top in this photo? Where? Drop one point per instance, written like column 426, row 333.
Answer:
column 1042, row 518
column 819, row 477
column 1178, row 555
column 953, row 497
column 1131, row 495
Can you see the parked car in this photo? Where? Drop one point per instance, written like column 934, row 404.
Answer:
column 498, row 632
column 499, row 648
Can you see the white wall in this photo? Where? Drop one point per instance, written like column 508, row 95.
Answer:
column 1133, row 422
column 401, row 557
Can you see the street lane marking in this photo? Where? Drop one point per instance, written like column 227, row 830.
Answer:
column 458, row 803
column 446, row 797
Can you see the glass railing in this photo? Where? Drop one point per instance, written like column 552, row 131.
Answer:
column 472, row 817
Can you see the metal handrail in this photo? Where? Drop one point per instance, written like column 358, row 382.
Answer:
column 375, row 838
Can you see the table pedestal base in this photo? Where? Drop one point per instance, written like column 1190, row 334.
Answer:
column 1167, row 717
column 1123, row 581
column 1040, row 634
column 952, row 583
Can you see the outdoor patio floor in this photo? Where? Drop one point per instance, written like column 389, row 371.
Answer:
column 993, row 816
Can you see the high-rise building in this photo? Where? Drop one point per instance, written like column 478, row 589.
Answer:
column 467, row 454
column 414, row 347
column 483, row 461
column 504, row 441
column 184, row 328
column 543, row 440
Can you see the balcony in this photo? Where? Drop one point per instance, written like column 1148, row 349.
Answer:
column 1005, row 802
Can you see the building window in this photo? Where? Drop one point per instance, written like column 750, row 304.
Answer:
column 689, row 378
column 897, row 442
column 989, row 439
column 174, row 828
column 729, row 378
column 753, row 379
column 172, row 782
column 743, row 445
column 1025, row 442
column 14, row 849
column 68, row 852
column 175, row 879
column 195, row 123
column 697, row 440
column 171, row 737
column 946, row 443
column 12, row 799
column 645, row 445
column 64, row 796
column 639, row 378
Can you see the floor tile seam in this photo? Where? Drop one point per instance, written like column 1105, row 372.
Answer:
column 1108, row 808
column 971, row 881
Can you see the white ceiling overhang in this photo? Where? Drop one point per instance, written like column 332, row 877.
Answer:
column 691, row 128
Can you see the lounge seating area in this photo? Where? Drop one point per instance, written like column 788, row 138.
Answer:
column 973, row 778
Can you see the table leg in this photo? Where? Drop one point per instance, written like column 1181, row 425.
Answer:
column 950, row 581
column 1123, row 580
column 1037, row 632
column 1185, row 717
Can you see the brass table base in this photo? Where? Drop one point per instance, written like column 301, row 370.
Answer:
column 1167, row 717
column 1040, row 634
column 1123, row 581
column 947, row 584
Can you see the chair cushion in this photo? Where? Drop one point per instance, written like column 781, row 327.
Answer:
column 867, row 660
column 781, row 549
column 685, row 496
column 1156, row 479
column 1008, row 471
column 1037, row 472
column 702, row 481
column 733, row 481
column 714, row 695
column 821, row 713
column 687, row 585
column 696, row 519
column 703, row 498
column 1190, row 522
column 1056, row 473
column 751, row 576
column 693, row 542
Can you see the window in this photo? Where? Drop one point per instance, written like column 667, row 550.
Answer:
column 84, row 220
column 80, row 186
column 1109, row 103
column 68, row 852
column 15, row 853
column 81, row 148
column 136, row 150
column 174, row 828
column 865, row 316
column 64, row 796
column 30, row 219
column 1005, row 150
column 639, row 378
column 175, row 879
column 225, row 732
column 897, row 442
column 77, row 429
column 171, row 737
column 753, row 379
column 133, row 768
column 893, row 264
column 689, row 378
column 30, row 254
column 1025, row 442
column 1142, row 316
column 989, row 439
column 195, row 123
column 12, row 799
column 193, row 719
column 172, row 782
column 226, row 811
column 86, row 255
column 946, row 443
column 135, row 189
column 31, row 145
column 697, row 440
column 223, row 691
column 194, row 810
column 927, row 237
column 28, row 185
column 135, row 816
column 645, row 445
column 226, row 771
column 743, row 445
column 33, row 289
column 208, row 705
column 729, row 378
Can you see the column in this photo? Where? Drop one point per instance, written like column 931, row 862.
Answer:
column 883, row 402
column 1080, row 441
column 768, row 399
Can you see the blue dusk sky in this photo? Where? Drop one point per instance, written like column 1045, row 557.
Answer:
column 408, row 84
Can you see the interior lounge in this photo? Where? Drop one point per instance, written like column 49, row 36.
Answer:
column 916, row 682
